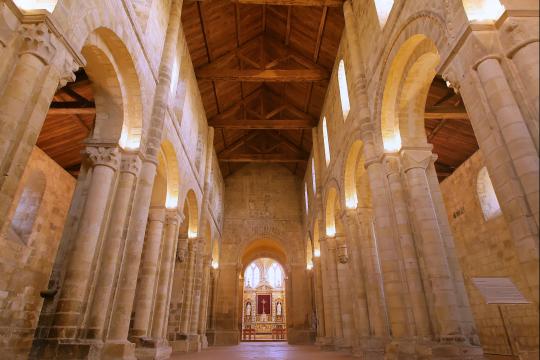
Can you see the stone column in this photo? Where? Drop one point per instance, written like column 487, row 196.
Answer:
column 114, row 244
column 319, row 302
column 345, row 283
column 203, row 312
column 24, row 103
column 197, row 289
column 144, row 299
column 331, row 290
column 117, row 345
column 408, row 249
column 443, row 292
column 513, row 129
column 165, row 275
column 86, row 243
column 188, row 287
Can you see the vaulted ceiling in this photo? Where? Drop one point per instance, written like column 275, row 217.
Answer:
column 263, row 72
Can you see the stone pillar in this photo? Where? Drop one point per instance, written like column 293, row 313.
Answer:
column 332, row 309
column 86, row 243
column 197, row 289
column 446, row 314
column 188, row 287
column 117, row 345
column 407, row 248
column 203, row 312
column 165, row 275
column 345, row 283
column 24, row 103
column 319, row 302
column 513, row 129
column 144, row 299
column 114, row 244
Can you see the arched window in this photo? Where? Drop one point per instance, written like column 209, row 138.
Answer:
column 325, row 141
column 275, row 275
column 252, row 276
column 28, row 206
column 486, row 195
column 48, row 5
column 343, row 90
column 313, row 178
column 481, row 10
column 383, row 10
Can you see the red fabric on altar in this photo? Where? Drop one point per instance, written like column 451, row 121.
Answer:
column 263, row 304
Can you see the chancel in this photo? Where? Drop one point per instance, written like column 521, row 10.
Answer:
column 269, row 179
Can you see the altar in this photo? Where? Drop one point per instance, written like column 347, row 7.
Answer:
column 263, row 314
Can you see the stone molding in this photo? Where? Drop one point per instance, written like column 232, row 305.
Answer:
column 8, row 24
column 391, row 164
column 156, row 214
column 103, row 156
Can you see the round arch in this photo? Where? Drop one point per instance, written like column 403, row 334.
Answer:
column 264, row 248
column 332, row 211
column 193, row 211
column 355, row 179
column 168, row 154
column 116, row 88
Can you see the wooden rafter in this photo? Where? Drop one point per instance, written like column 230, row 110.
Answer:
column 278, row 124
column 329, row 3
column 446, row 112
column 263, row 158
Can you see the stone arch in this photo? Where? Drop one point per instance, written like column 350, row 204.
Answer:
column 192, row 220
column 405, row 93
column 355, row 179
column 168, row 154
column 316, row 239
column 27, row 208
column 309, row 253
column 332, row 212
column 264, row 248
column 116, row 88
column 422, row 36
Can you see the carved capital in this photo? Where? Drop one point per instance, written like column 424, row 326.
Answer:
column 181, row 251
column 103, row 156
column 414, row 159
column 67, row 71
column 131, row 163
column 343, row 254
column 37, row 40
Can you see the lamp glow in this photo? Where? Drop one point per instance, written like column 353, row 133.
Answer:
column 317, row 253
column 331, row 231
column 215, row 265
column 351, row 202
column 309, row 266
column 192, row 234
column 171, row 202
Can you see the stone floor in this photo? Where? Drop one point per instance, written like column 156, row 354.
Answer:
column 263, row 351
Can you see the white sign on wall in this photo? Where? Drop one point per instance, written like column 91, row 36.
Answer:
column 499, row 290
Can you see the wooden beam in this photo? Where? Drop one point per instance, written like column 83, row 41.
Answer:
column 238, row 143
column 448, row 113
column 262, row 158
column 280, row 124
column 254, row 75
column 72, row 108
column 329, row 3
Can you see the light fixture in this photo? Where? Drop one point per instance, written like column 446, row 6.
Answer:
column 393, row 144
column 310, row 265
column 192, row 234
column 317, row 253
column 215, row 265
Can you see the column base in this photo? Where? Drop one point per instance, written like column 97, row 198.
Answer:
column 152, row 349
column 118, row 350
column 204, row 341
column 370, row 348
column 186, row 343
column 415, row 349
column 325, row 343
column 74, row 349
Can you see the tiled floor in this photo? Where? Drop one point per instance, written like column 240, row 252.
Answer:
column 264, row 351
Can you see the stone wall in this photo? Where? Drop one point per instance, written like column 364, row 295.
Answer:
column 263, row 208
column 26, row 258
column 485, row 249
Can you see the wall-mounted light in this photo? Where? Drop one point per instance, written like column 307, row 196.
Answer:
column 215, row 265
column 351, row 202
column 309, row 266
column 317, row 253
column 330, row 231
column 192, row 234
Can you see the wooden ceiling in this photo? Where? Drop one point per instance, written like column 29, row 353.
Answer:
column 69, row 122
column 263, row 68
column 448, row 128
